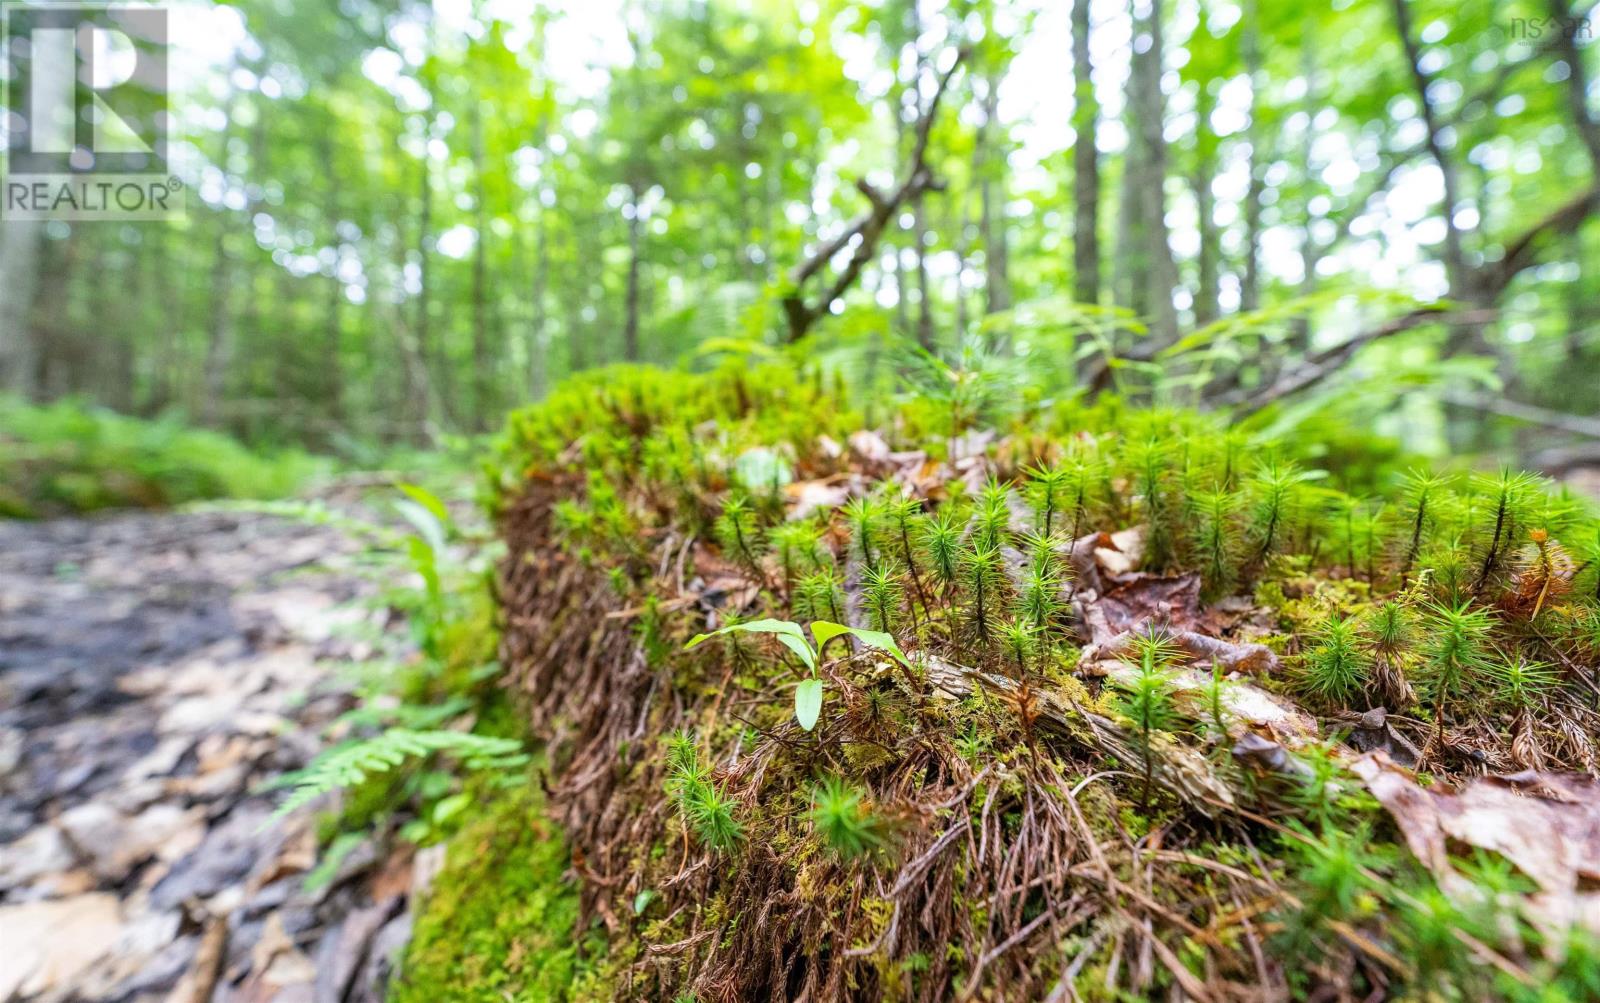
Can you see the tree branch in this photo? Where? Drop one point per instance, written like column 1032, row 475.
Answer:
column 1493, row 278
column 1320, row 365
column 865, row 231
column 1565, row 43
column 1574, row 424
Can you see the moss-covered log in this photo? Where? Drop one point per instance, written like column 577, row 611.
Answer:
column 1141, row 653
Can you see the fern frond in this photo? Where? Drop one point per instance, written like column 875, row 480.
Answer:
column 351, row 763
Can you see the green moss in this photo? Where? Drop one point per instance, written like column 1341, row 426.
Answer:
column 499, row 922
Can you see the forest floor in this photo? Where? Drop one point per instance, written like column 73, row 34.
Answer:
column 155, row 671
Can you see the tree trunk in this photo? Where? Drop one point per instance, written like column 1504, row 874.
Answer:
column 586, row 267
column 1131, row 266
column 1455, row 261
column 630, row 329
column 1085, row 164
column 1250, row 282
column 219, row 334
column 991, row 205
column 19, row 273
column 538, row 366
column 20, row 245
column 482, row 371
column 424, row 236
column 333, row 331
column 1206, row 307
column 1309, row 253
column 1147, row 66
column 1577, row 80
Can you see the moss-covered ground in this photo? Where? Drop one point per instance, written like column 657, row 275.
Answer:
column 500, row 920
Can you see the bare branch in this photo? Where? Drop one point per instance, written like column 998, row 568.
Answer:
column 1575, row 424
column 865, row 231
column 1493, row 278
column 1320, row 365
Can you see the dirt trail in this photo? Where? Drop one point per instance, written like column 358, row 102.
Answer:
column 154, row 671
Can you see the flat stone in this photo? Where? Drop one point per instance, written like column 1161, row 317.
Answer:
column 115, row 843
column 51, row 944
column 41, row 852
column 225, row 857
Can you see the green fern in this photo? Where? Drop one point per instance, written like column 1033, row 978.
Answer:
column 351, row 763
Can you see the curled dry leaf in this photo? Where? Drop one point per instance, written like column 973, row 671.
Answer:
column 808, row 497
column 1121, row 552
column 1546, row 824
column 869, row 446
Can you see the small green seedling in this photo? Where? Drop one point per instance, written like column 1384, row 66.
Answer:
column 808, row 695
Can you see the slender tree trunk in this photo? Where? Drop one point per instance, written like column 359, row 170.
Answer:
column 414, row 389
column 173, row 387
column 118, row 378
column 219, row 334
column 57, row 352
column 1577, row 81
column 961, row 294
column 1131, row 266
column 333, row 336
column 220, row 328
column 1309, row 252
column 20, row 246
column 482, row 370
column 1206, row 307
column 19, row 273
column 1455, row 261
column 991, row 204
column 919, row 230
column 919, row 233
column 1250, row 282
column 538, row 364
column 1085, row 164
column 1148, row 67
column 577, row 357
column 252, row 313
column 630, row 329
column 424, row 320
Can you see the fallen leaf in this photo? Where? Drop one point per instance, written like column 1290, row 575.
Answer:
column 1546, row 824
column 808, row 497
column 1169, row 601
column 1121, row 552
column 869, row 445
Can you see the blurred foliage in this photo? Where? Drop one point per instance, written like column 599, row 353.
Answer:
column 71, row 456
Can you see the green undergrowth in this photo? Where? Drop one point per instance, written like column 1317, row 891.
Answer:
column 435, row 752
column 68, row 457
column 499, row 922
column 785, row 762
